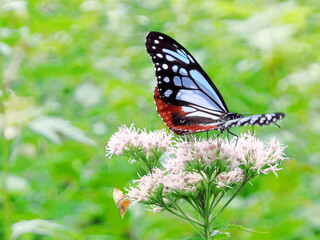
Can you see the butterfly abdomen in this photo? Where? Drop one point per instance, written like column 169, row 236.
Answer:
column 259, row 120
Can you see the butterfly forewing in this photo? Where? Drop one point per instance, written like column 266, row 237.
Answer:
column 180, row 79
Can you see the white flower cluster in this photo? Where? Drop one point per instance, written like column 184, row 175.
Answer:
column 248, row 153
column 170, row 181
column 189, row 161
column 128, row 138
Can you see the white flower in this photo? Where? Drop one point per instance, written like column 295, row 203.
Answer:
column 226, row 179
column 170, row 181
column 131, row 138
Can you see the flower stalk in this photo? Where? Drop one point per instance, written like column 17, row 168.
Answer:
column 5, row 164
column 195, row 172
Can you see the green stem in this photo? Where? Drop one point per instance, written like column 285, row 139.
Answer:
column 192, row 221
column 194, row 205
column 227, row 203
column 216, row 201
column 173, row 202
column 207, row 229
column 142, row 162
column 5, row 168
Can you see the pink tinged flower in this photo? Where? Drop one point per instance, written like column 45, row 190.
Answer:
column 121, row 139
column 171, row 181
column 192, row 149
column 154, row 208
column 252, row 152
column 272, row 168
column 131, row 138
column 184, row 181
column 145, row 186
column 227, row 179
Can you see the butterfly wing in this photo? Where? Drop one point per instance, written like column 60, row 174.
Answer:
column 182, row 82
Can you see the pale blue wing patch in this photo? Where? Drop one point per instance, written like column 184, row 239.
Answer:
column 183, row 72
column 168, row 92
column 196, row 97
column 188, row 83
column 166, row 79
column 177, row 81
column 205, row 86
column 181, row 57
column 175, row 68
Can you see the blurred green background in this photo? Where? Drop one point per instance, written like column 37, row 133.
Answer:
column 73, row 71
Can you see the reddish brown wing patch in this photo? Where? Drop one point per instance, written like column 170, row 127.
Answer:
column 166, row 111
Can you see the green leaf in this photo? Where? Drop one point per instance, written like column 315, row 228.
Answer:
column 220, row 235
column 51, row 127
column 243, row 228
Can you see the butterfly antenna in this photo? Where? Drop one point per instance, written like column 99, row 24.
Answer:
column 277, row 125
column 245, row 113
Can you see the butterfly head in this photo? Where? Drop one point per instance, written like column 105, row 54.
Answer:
column 231, row 115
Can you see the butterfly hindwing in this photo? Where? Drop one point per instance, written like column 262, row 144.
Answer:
column 181, row 119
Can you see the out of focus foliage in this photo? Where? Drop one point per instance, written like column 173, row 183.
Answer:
column 73, row 71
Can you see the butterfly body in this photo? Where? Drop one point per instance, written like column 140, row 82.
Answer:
column 185, row 97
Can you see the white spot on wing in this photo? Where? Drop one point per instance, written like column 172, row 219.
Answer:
column 262, row 120
column 159, row 55
column 156, row 41
column 164, row 66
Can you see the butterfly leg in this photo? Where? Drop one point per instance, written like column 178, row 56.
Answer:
column 277, row 125
column 219, row 134
column 207, row 135
column 233, row 135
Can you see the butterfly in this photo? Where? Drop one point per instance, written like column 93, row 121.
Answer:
column 121, row 202
column 186, row 98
